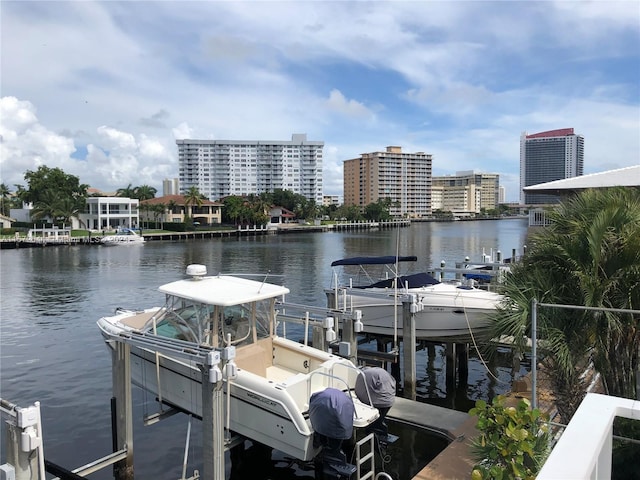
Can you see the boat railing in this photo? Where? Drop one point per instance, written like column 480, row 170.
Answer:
column 345, row 385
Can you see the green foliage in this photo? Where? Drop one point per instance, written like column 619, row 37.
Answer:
column 589, row 255
column 48, row 182
column 378, row 210
column 625, row 453
column 54, row 194
column 513, row 441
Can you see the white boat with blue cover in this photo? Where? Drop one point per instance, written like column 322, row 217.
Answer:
column 269, row 398
column 373, row 285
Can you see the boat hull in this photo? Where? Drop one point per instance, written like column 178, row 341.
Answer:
column 273, row 419
column 446, row 314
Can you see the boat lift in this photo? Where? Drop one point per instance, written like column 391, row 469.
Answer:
column 217, row 366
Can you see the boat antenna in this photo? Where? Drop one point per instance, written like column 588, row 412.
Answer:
column 264, row 280
column 395, row 296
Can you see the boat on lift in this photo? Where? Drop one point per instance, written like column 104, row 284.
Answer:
column 448, row 311
column 276, row 376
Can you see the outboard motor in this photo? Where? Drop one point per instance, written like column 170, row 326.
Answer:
column 331, row 413
column 381, row 388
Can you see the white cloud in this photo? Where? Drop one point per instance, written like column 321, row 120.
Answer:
column 460, row 80
column 338, row 103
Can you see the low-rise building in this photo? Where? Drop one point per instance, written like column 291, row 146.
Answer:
column 110, row 213
column 174, row 208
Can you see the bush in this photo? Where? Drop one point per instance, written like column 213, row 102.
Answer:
column 174, row 227
column 513, row 441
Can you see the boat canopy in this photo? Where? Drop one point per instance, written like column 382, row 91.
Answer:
column 385, row 260
column 416, row 280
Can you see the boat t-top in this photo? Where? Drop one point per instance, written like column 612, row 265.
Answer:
column 276, row 377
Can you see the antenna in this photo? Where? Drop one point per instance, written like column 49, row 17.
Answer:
column 264, row 280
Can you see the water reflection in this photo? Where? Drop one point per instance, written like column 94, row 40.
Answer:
column 65, row 364
column 402, row 459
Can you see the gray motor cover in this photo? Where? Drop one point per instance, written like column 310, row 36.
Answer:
column 381, row 384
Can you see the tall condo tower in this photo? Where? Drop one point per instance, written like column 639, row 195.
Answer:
column 549, row 156
column 219, row 168
column 404, row 178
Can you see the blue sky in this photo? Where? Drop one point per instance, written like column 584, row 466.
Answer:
column 103, row 89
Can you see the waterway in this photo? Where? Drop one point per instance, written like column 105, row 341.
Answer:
column 51, row 350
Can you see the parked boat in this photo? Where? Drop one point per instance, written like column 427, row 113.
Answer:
column 276, row 377
column 447, row 311
column 124, row 236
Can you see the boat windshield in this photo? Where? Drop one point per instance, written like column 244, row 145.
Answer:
column 194, row 322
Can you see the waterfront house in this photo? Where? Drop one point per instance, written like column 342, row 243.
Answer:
column 280, row 215
column 174, row 208
column 109, row 213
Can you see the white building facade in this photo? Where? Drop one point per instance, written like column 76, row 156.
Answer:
column 219, row 168
column 110, row 213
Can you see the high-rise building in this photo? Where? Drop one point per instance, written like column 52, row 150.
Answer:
column 219, row 168
column 465, row 193
column 404, row 178
column 170, row 187
column 549, row 156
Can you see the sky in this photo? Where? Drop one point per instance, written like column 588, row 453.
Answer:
column 102, row 90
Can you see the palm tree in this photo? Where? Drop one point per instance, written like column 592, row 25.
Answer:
column 47, row 206
column 4, row 197
column 191, row 197
column 127, row 192
column 146, row 208
column 589, row 255
column 144, row 192
column 68, row 208
column 171, row 205
column 159, row 210
column 233, row 208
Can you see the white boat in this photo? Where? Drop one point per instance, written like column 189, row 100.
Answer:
column 124, row 236
column 276, row 376
column 445, row 311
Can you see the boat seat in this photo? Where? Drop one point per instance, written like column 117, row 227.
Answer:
column 280, row 374
column 255, row 358
column 139, row 320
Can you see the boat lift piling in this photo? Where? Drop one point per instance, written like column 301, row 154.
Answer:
column 217, row 366
column 24, row 437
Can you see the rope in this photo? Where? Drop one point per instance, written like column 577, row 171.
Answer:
column 475, row 345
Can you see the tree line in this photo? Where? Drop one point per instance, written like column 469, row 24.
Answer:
column 59, row 197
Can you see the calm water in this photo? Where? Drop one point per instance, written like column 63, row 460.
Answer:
column 52, row 351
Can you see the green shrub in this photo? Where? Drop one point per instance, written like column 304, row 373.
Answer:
column 513, row 441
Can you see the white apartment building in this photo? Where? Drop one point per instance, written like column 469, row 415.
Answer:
column 466, row 193
column 219, row 168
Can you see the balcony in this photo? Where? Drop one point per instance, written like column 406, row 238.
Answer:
column 584, row 449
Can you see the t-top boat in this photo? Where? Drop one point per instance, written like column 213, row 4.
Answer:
column 124, row 236
column 448, row 311
column 276, row 377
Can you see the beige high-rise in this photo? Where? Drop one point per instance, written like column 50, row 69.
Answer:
column 404, row 178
